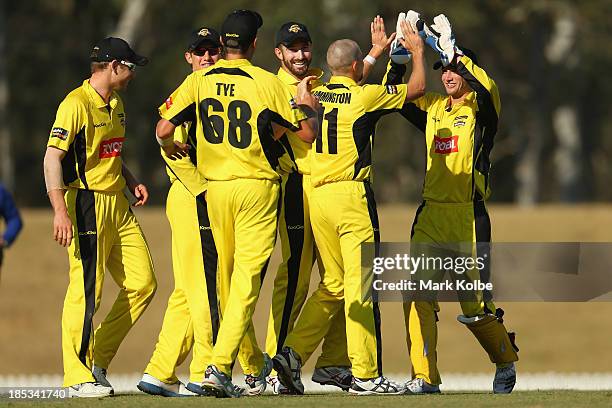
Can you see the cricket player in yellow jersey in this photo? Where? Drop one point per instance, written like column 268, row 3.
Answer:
column 343, row 214
column 85, row 177
column 242, row 110
column 192, row 316
column 459, row 129
column 292, row 281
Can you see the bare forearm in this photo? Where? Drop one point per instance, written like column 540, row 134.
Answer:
column 416, row 82
column 56, row 197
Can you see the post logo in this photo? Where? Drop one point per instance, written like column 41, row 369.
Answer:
column 111, row 148
column 446, row 145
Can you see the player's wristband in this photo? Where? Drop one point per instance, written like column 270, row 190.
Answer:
column 370, row 59
column 165, row 142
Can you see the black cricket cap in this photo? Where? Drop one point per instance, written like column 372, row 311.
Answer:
column 240, row 28
column 204, row 35
column 291, row 32
column 466, row 51
column 112, row 48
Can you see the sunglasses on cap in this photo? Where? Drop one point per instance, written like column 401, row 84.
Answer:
column 200, row 52
column 131, row 66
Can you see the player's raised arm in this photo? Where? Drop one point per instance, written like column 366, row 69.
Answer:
column 380, row 45
column 414, row 44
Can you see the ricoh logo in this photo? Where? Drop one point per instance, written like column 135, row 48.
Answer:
column 446, row 145
column 111, row 148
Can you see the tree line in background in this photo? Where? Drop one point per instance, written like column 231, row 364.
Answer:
column 550, row 60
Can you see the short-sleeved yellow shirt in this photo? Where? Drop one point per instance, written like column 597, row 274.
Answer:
column 92, row 133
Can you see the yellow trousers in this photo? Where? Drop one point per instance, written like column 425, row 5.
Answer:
column 442, row 223
column 106, row 236
column 292, row 279
column 192, row 316
column 343, row 218
column 243, row 215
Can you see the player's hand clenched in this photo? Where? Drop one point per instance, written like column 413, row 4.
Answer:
column 142, row 195
column 304, row 97
column 62, row 228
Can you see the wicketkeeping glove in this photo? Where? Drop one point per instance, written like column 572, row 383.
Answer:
column 445, row 44
column 397, row 52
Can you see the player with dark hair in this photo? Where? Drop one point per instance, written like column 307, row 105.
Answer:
column 241, row 111
column 192, row 316
column 344, row 217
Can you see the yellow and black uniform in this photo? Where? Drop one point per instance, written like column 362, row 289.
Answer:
column 192, row 317
column 459, row 139
column 343, row 214
column 236, row 104
column 292, row 279
column 107, row 234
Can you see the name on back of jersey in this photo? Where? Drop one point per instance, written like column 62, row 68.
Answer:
column 331, row 97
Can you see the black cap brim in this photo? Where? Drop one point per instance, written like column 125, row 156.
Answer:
column 139, row 60
column 302, row 36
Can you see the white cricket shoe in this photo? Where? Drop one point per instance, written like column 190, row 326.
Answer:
column 151, row 385
column 505, row 378
column 277, row 387
column 418, row 386
column 256, row 384
column 289, row 369
column 337, row 376
column 375, row 386
column 89, row 390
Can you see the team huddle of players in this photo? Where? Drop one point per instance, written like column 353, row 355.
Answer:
column 252, row 156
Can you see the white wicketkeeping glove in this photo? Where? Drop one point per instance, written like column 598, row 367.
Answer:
column 397, row 52
column 398, row 29
column 445, row 44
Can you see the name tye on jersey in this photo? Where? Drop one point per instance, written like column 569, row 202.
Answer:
column 111, row 148
column 446, row 145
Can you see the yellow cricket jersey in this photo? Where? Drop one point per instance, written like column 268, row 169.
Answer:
column 299, row 151
column 235, row 104
column 459, row 138
column 343, row 149
column 91, row 132
column 185, row 169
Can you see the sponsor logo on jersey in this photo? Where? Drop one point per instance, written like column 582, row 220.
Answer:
column 111, row 148
column 295, row 227
column 446, row 145
column 460, row 121
column 84, row 233
column 99, row 125
column 121, row 118
column 392, row 89
column 169, row 102
column 205, row 228
column 60, row 133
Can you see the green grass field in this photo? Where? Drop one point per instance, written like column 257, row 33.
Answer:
column 458, row 400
